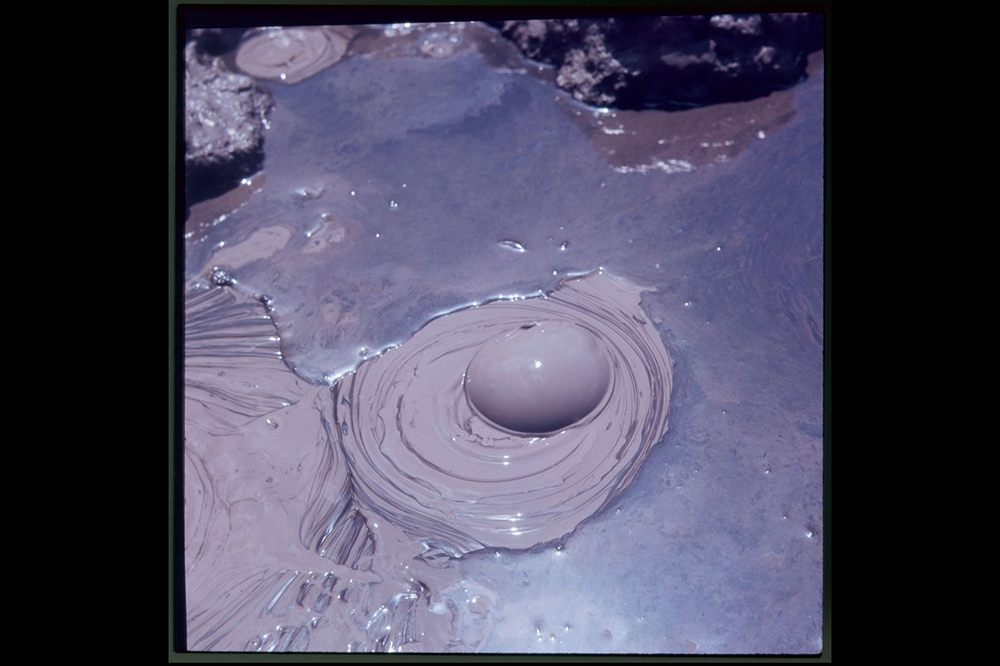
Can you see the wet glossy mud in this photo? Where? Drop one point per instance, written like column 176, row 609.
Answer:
column 410, row 180
column 291, row 55
column 406, row 476
column 421, row 456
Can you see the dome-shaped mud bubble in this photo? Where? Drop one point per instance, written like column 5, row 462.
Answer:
column 539, row 378
column 291, row 55
column 462, row 469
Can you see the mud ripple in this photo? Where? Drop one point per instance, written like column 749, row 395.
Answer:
column 421, row 456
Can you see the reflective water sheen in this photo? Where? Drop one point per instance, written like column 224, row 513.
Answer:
column 429, row 171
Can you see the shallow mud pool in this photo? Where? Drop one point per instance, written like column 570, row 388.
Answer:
column 431, row 171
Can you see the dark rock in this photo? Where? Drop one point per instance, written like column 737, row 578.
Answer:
column 216, row 41
column 223, row 126
column 671, row 62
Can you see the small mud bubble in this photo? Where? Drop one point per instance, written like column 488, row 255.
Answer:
column 309, row 193
column 512, row 245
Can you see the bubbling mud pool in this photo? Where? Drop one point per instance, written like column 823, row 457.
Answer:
column 404, row 182
column 421, row 454
column 412, row 476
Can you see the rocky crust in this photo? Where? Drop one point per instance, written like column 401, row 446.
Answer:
column 223, row 121
column 671, row 62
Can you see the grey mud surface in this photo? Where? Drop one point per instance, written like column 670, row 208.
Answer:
column 388, row 188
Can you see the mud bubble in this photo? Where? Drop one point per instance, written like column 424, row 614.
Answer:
column 422, row 454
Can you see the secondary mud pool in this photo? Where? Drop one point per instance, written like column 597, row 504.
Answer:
column 430, row 192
